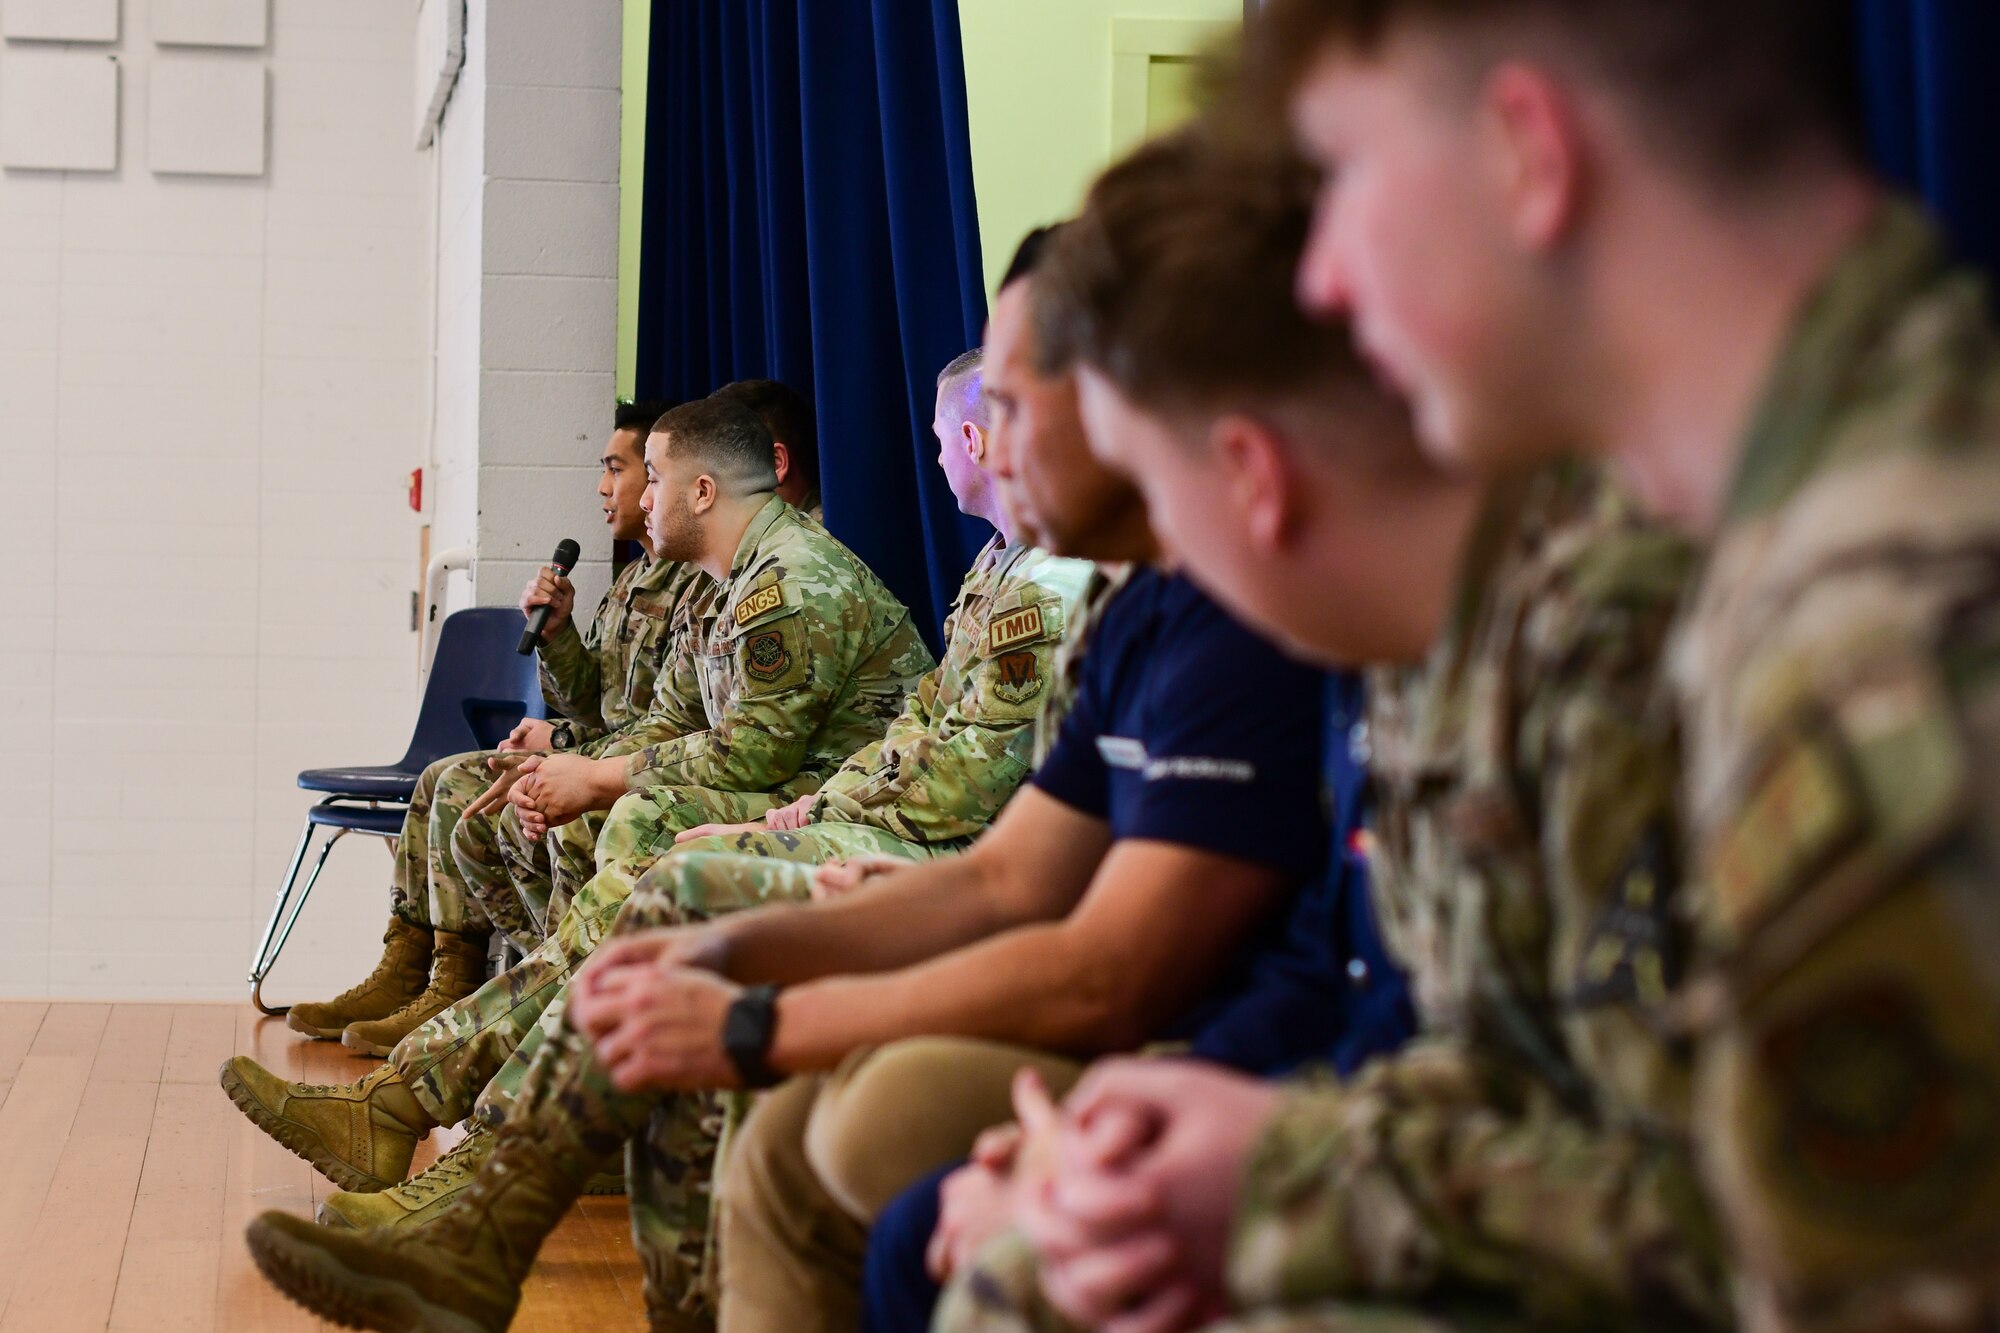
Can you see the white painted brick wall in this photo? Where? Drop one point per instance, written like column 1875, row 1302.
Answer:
column 210, row 391
column 528, row 266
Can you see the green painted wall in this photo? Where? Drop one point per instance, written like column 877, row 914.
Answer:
column 1038, row 81
column 631, row 182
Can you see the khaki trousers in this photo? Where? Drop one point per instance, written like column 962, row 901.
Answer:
column 820, row 1156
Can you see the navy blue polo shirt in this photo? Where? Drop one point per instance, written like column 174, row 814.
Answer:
column 1187, row 728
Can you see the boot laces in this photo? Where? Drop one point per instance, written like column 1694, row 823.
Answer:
column 451, row 1170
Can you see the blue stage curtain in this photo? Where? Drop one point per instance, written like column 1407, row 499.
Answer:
column 1934, row 109
column 809, row 217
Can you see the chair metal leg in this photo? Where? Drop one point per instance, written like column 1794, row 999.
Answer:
column 267, row 952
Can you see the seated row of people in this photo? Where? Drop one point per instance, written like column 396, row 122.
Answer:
column 1125, row 817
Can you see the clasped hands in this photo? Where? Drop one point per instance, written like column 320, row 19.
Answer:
column 549, row 790
column 652, row 1004
column 1127, row 1192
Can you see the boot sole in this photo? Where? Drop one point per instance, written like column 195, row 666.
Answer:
column 305, row 1029
column 358, row 1045
column 300, row 1141
column 321, row 1283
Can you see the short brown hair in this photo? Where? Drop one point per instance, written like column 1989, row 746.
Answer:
column 1733, row 88
column 1176, row 281
column 725, row 438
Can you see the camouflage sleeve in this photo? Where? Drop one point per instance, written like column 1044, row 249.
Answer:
column 1416, row 1177
column 1848, row 1060
column 676, row 708
column 950, row 777
column 1523, row 1164
column 571, row 683
column 788, row 669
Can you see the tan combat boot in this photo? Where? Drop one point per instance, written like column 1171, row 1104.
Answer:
column 424, row 1195
column 418, row 1199
column 460, row 1272
column 458, row 969
column 360, row 1136
column 397, row 979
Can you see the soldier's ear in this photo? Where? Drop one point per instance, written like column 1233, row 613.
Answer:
column 1259, row 487
column 974, row 438
column 781, row 460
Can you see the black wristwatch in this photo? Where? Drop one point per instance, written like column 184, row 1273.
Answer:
column 562, row 736
column 746, row 1035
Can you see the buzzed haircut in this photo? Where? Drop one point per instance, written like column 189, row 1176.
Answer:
column 639, row 415
column 1176, row 282
column 725, row 439
column 1735, row 89
column 787, row 415
column 958, row 383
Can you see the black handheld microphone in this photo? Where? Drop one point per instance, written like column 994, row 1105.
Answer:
column 564, row 560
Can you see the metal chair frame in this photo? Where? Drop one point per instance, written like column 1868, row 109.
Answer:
column 267, row 953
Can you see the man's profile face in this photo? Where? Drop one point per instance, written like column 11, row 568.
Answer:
column 1037, row 451
column 622, row 483
column 948, row 424
column 671, row 525
column 1190, row 503
column 1410, row 241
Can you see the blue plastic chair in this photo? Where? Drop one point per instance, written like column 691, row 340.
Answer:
column 479, row 690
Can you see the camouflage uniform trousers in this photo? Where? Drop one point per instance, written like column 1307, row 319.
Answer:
column 1001, row 1293
column 513, row 877
column 423, row 865
column 553, row 1077
column 449, row 1061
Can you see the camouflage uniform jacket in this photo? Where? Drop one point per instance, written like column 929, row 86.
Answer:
column 602, row 679
column 1530, row 1145
column 965, row 736
column 1840, row 680
column 780, row 673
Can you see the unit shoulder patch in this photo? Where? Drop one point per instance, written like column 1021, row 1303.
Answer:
column 772, row 657
column 1877, row 1122
column 1018, row 677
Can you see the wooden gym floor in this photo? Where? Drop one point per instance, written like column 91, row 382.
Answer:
column 126, row 1178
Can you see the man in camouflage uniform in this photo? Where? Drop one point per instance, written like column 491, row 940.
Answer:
column 593, row 684
column 511, row 874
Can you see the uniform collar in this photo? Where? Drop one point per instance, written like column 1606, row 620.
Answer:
column 774, row 509
column 1826, row 360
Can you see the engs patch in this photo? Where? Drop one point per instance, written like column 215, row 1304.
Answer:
column 758, row 602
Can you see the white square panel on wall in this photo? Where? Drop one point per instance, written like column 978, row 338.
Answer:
column 59, row 20
column 210, row 22
column 58, row 111
column 206, row 117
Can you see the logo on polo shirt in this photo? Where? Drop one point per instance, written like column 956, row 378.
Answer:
column 1128, row 753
